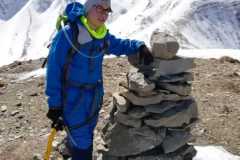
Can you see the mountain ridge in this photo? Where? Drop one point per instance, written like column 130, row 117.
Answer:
column 195, row 24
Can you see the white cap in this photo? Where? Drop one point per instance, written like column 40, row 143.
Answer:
column 90, row 3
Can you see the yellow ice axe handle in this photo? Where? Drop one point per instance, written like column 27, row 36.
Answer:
column 49, row 145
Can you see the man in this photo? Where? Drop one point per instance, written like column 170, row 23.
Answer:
column 75, row 90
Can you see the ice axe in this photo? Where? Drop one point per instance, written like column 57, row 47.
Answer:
column 49, row 144
column 58, row 125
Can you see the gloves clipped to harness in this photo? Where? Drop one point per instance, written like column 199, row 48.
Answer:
column 145, row 55
column 55, row 115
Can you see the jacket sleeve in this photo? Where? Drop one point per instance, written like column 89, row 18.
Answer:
column 56, row 60
column 119, row 46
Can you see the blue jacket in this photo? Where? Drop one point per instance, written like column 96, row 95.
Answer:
column 80, row 71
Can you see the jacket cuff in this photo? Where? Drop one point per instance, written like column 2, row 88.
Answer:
column 140, row 44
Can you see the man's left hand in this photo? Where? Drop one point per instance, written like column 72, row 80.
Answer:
column 55, row 115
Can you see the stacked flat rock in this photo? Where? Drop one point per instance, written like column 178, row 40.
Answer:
column 153, row 118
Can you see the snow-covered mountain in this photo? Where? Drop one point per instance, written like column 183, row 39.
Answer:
column 27, row 26
column 8, row 8
column 195, row 23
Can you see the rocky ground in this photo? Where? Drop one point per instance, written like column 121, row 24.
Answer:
column 24, row 128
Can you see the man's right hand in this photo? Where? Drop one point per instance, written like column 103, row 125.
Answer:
column 145, row 55
column 55, row 115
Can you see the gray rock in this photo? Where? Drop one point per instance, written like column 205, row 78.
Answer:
column 163, row 45
column 18, row 104
column 127, row 120
column 181, row 78
column 18, row 136
column 109, row 117
column 186, row 127
column 138, row 83
column 19, row 95
column 137, row 112
column 4, row 108
column 188, row 152
column 170, row 67
column 109, row 157
column 120, row 102
column 99, row 144
column 34, row 94
column 142, row 101
column 63, row 148
column 2, row 84
column 123, row 141
column 182, row 89
column 37, row 156
column 147, row 94
column 157, row 157
column 161, row 107
column 13, row 113
column 181, row 114
column 141, row 94
column 174, row 140
column 162, row 91
column 20, row 116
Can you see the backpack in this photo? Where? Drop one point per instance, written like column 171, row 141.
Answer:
column 71, row 14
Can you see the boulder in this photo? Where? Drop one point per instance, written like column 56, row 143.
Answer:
column 181, row 78
column 175, row 140
column 181, row 114
column 168, row 67
column 155, row 99
column 161, row 107
column 138, row 83
column 120, row 102
column 137, row 112
column 127, row 120
column 182, row 89
column 123, row 141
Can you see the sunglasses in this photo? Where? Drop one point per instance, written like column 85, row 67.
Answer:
column 102, row 10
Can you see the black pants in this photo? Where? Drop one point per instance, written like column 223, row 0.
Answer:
column 81, row 154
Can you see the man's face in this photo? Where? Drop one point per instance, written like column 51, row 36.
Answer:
column 98, row 15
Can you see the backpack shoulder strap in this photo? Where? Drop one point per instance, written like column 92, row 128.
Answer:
column 106, row 45
column 71, row 51
column 69, row 58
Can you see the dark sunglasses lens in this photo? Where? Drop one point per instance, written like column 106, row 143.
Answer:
column 109, row 10
column 101, row 9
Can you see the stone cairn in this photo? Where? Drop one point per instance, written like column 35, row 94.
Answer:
column 151, row 120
